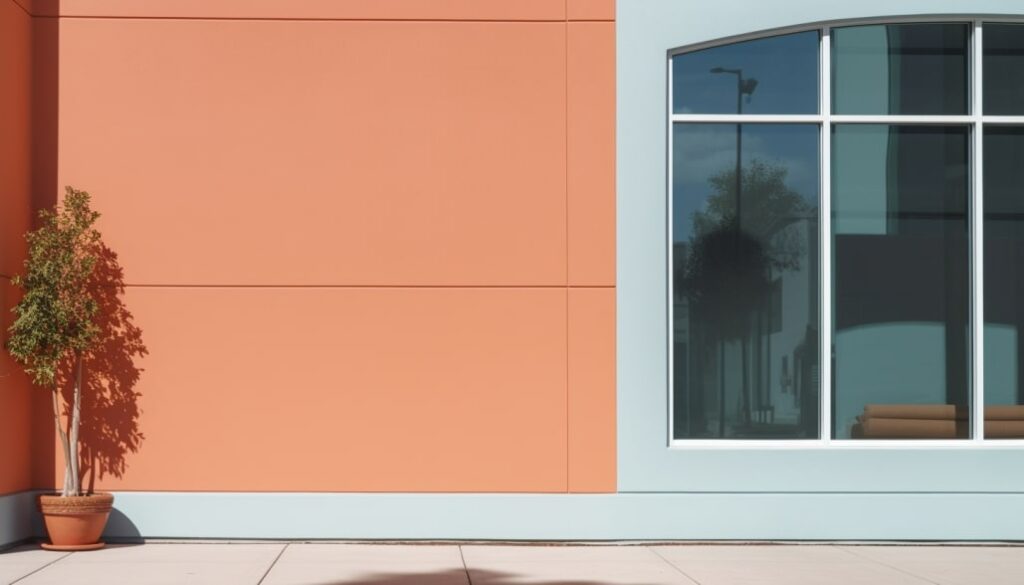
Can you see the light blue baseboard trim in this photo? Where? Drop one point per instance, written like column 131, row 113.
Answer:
column 17, row 514
column 735, row 516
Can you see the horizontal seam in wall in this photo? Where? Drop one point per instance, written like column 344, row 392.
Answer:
column 526, row 493
column 824, row 493
column 370, row 286
column 212, row 492
column 309, row 19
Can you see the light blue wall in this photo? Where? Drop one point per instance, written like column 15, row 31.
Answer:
column 646, row 31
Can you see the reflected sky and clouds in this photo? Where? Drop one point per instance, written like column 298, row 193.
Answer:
column 702, row 151
column 785, row 67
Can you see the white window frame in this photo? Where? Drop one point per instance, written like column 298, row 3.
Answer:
column 974, row 120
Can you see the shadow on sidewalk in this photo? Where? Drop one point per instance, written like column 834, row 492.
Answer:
column 457, row 577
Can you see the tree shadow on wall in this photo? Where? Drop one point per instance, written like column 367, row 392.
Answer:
column 110, row 410
column 459, row 577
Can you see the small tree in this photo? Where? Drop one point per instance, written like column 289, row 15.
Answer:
column 54, row 322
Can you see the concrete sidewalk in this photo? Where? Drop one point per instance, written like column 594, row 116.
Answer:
column 478, row 564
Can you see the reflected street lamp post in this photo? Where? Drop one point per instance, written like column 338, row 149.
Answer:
column 743, row 87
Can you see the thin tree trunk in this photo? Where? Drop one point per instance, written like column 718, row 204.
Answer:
column 721, row 388
column 76, row 422
column 745, row 398
column 63, row 442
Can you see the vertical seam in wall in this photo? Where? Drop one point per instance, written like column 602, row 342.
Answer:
column 568, row 417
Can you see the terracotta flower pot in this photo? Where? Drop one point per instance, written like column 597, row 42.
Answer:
column 75, row 523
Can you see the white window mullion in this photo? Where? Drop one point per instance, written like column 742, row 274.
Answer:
column 978, row 242
column 825, row 235
column 1008, row 120
column 669, row 268
column 748, row 118
column 901, row 119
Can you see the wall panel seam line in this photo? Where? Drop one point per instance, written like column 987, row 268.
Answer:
column 557, row 21
column 822, row 493
column 374, row 286
column 568, row 242
column 555, row 491
column 536, row 494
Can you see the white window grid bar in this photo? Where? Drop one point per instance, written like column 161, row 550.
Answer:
column 670, row 269
column 964, row 120
column 977, row 233
column 852, row 444
column 825, row 247
column 825, row 119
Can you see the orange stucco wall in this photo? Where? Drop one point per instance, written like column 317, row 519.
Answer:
column 369, row 244
column 15, row 214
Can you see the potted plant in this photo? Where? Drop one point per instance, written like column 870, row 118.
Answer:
column 54, row 329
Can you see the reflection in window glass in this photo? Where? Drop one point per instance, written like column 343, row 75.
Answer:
column 910, row 69
column 1004, row 69
column 745, row 281
column 776, row 75
column 1004, row 282
column 900, row 282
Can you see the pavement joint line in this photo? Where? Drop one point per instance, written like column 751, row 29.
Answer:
column 671, row 564
column 464, row 567
column 884, row 564
column 273, row 563
column 26, row 576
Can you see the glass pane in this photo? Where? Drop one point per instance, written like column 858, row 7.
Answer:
column 910, row 69
column 900, row 282
column 745, row 281
column 775, row 75
column 1004, row 282
column 1003, row 69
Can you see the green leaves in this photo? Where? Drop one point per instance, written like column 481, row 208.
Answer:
column 55, row 318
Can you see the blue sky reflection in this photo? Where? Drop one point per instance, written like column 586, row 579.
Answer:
column 785, row 67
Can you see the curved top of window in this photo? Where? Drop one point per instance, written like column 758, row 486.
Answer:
column 900, row 69
column 773, row 75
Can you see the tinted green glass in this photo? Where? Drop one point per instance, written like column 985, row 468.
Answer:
column 1004, row 282
column 901, row 282
column 1003, row 68
column 774, row 75
column 910, row 69
column 745, row 281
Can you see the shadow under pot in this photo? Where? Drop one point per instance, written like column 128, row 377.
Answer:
column 75, row 522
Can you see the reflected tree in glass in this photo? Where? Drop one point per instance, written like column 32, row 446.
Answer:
column 739, row 244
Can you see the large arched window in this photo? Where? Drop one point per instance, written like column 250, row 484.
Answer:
column 857, row 193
